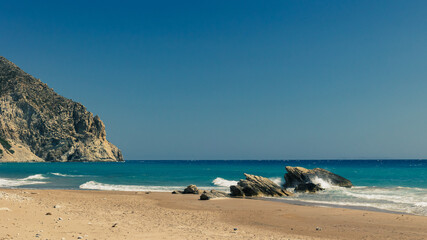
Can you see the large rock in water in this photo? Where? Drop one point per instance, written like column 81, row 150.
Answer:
column 300, row 175
column 308, row 188
column 257, row 186
column 37, row 124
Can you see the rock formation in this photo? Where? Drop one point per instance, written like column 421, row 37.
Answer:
column 191, row 189
column 37, row 124
column 257, row 186
column 308, row 188
column 213, row 194
column 300, row 175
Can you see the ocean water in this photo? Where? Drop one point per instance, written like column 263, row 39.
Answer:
column 390, row 185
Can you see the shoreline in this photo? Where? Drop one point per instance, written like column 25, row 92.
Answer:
column 331, row 205
column 94, row 214
column 296, row 202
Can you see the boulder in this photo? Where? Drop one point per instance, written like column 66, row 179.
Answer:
column 191, row 189
column 298, row 175
column 308, row 187
column 236, row 191
column 213, row 194
column 257, row 186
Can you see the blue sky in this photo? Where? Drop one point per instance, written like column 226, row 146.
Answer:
column 235, row 79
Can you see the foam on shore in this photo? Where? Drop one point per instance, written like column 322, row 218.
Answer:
column 30, row 180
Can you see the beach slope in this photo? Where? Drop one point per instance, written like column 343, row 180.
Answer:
column 71, row 214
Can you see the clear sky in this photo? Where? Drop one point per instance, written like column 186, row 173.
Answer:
column 235, row 79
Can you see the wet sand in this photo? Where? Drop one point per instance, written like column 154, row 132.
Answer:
column 76, row 214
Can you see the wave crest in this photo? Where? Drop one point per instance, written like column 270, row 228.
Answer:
column 92, row 185
column 8, row 182
column 223, row 182
column 277, row 180
column 35, row 177
column 66, row 175
column 322, row 182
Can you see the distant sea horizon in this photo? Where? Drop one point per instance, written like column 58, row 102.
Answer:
column 397, row 185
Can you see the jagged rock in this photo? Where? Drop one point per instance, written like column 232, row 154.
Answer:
column 255, row 186
column 236, row 191
column 298, row 175
column 213, row 194
column 308, row 187
column 191, row 189
column 37, row 124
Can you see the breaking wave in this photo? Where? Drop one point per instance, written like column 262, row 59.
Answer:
column 92, row 185
column 322, row 182
column 398, row 199
column 30, row 180
column 35, row 177
column 66, row 175
column 277, row 180
column 223, row 182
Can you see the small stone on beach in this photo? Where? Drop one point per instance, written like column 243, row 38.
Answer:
column 48, row 213
column 318, row 228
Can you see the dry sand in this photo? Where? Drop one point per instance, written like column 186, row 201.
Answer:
column 68, row 214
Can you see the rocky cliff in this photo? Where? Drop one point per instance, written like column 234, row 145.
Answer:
column 37, row 124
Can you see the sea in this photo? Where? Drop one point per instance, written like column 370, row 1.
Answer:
column 384, row 185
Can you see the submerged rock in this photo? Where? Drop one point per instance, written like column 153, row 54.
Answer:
column 257, row 186
column 300, row 175
column 191, row 189
column 308, row 187
column 37, row 124
column 213, row 194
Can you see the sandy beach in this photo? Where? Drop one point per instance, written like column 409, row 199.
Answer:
column 71, row 214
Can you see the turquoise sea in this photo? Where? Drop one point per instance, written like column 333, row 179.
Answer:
column 389, row 185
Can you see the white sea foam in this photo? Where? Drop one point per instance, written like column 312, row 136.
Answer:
column 399, row 199
column 323, row 183
column 115, row 187
column 35, row 177
column 223, row 182
column 10, row 182
column 277, row 180
column 66, row 175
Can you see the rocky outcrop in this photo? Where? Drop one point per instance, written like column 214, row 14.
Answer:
column 213, row 194
column 37, row 124
column 300, row 175
column 191, row 189
column 257, row 186
column 308, row 188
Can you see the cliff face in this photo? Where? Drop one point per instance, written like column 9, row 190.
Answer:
column 37, row 124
